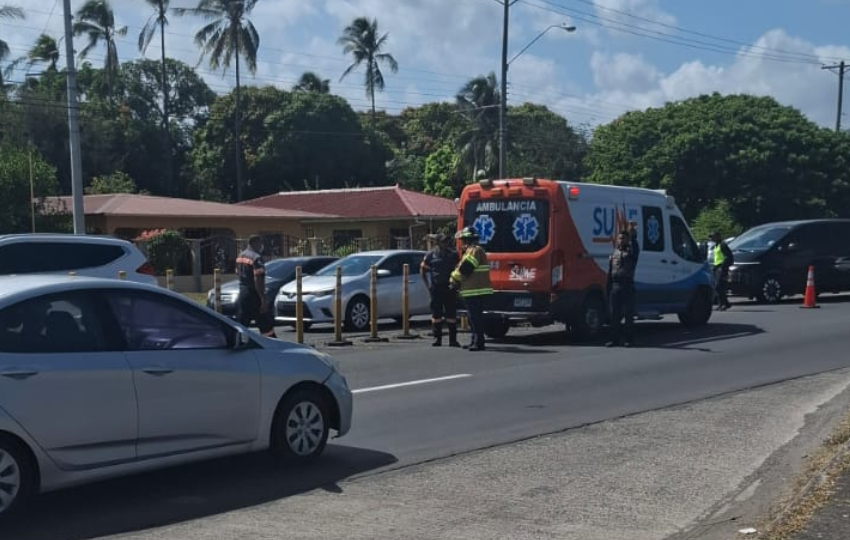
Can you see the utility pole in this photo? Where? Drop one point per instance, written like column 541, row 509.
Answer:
column 841, row 69
column 503, row 108
column 74, row 128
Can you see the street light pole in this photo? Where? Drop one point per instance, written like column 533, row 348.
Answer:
column 503, row 107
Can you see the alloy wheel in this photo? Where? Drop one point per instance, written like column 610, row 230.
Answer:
column 10, row 480
column 771, row 290
column 304, row 428
column 359, row 315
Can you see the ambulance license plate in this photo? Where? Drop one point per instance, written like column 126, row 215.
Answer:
column 522, row 302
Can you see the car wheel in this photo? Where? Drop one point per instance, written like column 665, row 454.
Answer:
column 497, row 328
column 357, row 314
column 300, row 428
column 589, row 320
column 16, row 476
column 699, row 309
column 771, row 290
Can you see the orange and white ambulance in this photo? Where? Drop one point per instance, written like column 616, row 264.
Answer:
column 548, row 244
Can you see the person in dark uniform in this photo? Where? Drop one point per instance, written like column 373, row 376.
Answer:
column 436, row 269
column 621, row 287
column 251, row 271
column 472, row 279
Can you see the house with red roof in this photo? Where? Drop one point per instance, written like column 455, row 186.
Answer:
column 398, row 216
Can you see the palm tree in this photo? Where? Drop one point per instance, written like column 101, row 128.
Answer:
column 361, row 40
column 158, row 18
column 46, row 51
column 97, row 20
column 8, row 12
column 310, row 82
column 229, row 35
column 478, row 101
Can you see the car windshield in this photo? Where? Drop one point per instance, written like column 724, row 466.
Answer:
column 758, row 239
column 353, row 265
column 279, row 268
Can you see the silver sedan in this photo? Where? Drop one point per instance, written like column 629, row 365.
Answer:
column 101, row 378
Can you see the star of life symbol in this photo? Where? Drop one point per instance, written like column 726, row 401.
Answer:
column 485, row 227
column 526, row 228
column 653, row 230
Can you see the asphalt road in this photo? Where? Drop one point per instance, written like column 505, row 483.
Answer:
column 660, row 440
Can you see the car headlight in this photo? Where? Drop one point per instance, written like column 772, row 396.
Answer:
column 320, row 294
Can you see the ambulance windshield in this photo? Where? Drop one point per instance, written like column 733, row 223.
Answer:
column 509, row 225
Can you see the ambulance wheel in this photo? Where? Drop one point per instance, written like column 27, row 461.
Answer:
column 590, row 318
column 699, row 309
column 497, row 328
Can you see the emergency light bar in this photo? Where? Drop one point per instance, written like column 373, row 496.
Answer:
column 528, row 181
column 572, row 193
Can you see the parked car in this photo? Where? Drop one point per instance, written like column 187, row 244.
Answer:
column 100, row 378
column 318, row 289
column 772, row 260
column 85, row 255
column 278, row 273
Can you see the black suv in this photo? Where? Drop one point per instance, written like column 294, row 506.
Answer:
column 772, row 260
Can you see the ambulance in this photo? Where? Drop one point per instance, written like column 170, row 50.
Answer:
column 548, row 243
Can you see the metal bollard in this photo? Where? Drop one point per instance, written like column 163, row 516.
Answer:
column 299, row 307
column 217, row 289
column 373, row 306
column 338, row 340
column 169, row 279
column 405, row 305
column 122, row 274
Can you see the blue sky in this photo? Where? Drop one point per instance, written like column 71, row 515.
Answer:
column 624, row 55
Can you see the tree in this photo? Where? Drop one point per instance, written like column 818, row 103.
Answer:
column 439, row 171
column 97, row 20
column 360, row 40
column 310, row 82
column 718, row 217
column 7, row 12
column 478, row 145
column 230, row 35
column 542, row 144
column 767, row 160
column 16, row 205
column 117, row 182
column 158, row 18
column 44, row 51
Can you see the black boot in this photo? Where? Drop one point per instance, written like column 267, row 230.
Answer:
column 438, row 334
column 453, row 335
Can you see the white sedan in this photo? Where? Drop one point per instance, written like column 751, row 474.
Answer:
column 101, row 377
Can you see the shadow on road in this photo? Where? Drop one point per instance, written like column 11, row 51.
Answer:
column 183, row 493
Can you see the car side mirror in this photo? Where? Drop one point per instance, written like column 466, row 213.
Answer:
column 242, row 340
column 383, row 272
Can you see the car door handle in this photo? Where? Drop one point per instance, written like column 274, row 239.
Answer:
column 674, row 262
column 19, row 374
column 664, row 261
column 157, row 371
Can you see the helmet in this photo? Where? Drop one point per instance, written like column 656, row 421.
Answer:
column 467, row 233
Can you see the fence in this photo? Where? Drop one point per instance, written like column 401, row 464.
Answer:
column 193, row 271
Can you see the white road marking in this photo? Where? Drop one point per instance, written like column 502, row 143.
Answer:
column 410, row 383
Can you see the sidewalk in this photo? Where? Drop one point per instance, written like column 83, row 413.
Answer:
column 832, row 520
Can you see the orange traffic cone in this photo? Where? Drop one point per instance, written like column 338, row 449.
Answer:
column 809, row 301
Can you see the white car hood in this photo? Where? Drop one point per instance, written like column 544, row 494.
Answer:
column 311, row 284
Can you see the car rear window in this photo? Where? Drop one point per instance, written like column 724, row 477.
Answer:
column 33, row 257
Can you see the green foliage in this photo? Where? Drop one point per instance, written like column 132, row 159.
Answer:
column 346, row 250
column 542, row 144
column 767, row 160
column 718, row 217
column 116, row 182
column 407, row 170
column 439, row 173
column 16, row 204
column 167, row 250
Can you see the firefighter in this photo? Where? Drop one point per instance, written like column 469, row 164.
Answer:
column 251, row 271
column 436, row 269
column 472, row 279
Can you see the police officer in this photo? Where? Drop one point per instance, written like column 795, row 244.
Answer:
column 472, row 278
column 621, row 287
column 251, row 271
column 436, row 269
column 721, row 260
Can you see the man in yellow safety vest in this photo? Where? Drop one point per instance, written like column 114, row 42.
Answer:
column 721, row 260
column 472, row 279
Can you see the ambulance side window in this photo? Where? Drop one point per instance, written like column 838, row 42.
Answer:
column 653, row 229
column 683, row 242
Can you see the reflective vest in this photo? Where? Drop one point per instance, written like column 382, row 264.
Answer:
column 473, row 273
column 719, row 256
